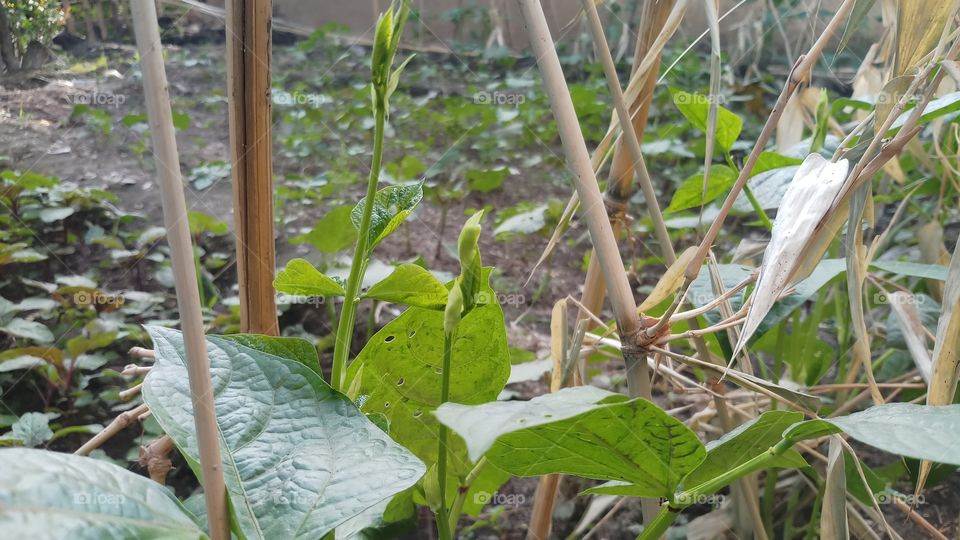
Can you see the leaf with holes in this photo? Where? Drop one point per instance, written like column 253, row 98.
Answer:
column 338, row 465
column 398, row 373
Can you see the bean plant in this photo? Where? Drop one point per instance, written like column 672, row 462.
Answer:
column 415, row 419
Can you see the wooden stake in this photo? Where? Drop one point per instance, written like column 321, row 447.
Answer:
column 248, row 74
column 167, row 159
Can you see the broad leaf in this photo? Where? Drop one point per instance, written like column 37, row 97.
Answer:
column 31, row 330
column 690, row 193
column 291, row 348
column 916, row 431
column 746, row 442
column 33, row 429
column 391, row 206
column 582, row 431
column 399, row 373
column 302, row 279
column 338, row 464
column 696, row 108
column 411, row 285
column 486, row 180
column 49, row 494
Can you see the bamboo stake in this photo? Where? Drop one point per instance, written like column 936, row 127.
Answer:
column 248, row 75
column 160, row 120
column 601, row 234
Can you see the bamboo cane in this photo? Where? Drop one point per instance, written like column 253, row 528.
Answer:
column 160, row 119
column 248, row 76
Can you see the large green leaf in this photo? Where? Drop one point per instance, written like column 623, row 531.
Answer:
column 391, row 206
column 298, row 457
column 399, row 374
column 696, row 108
column 291, row 348
column 582, row 431
column 906, row 429
column 746, row 442
column 302, row 279
column 412, row 285
column 53, row 495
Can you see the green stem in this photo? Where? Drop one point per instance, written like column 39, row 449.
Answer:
column 443, row 519
column 341, row 349
column 688, row 497
column 764, row 218
column 457, row 508
column 658, row 527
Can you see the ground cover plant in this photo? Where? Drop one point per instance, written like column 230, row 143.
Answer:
column 778, row 359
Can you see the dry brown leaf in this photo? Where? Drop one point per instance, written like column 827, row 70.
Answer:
column 905, row 310
column 932, row 251
column 833, row 513
column 670, row 281
column 919, row 26
column 946, row 352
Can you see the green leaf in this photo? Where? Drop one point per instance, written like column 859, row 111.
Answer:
column 399, row 374
column 28, row 329
column 49, row 494
column 32, row 428
column 582, row 431
column 338, row 464
column 201, row 222
column 696, row 107
column 333, row 232
column 302, row 279
column 291, row 348
column 690, row 193
column 391, row 206
column 746, row 442
column 411, row 285
column 50, row 215
column 181, row 121
column 906, row 268
column 486, row 180
column 916, row 431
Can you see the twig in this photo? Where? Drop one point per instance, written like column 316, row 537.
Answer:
column 121, row 422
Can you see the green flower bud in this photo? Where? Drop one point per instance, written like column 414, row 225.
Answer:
column 471, row 268
column 454, row 309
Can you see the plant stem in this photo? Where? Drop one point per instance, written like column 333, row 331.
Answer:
column 443, row 517
column 690, row 496
column 457, row 507
column 341, row 349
